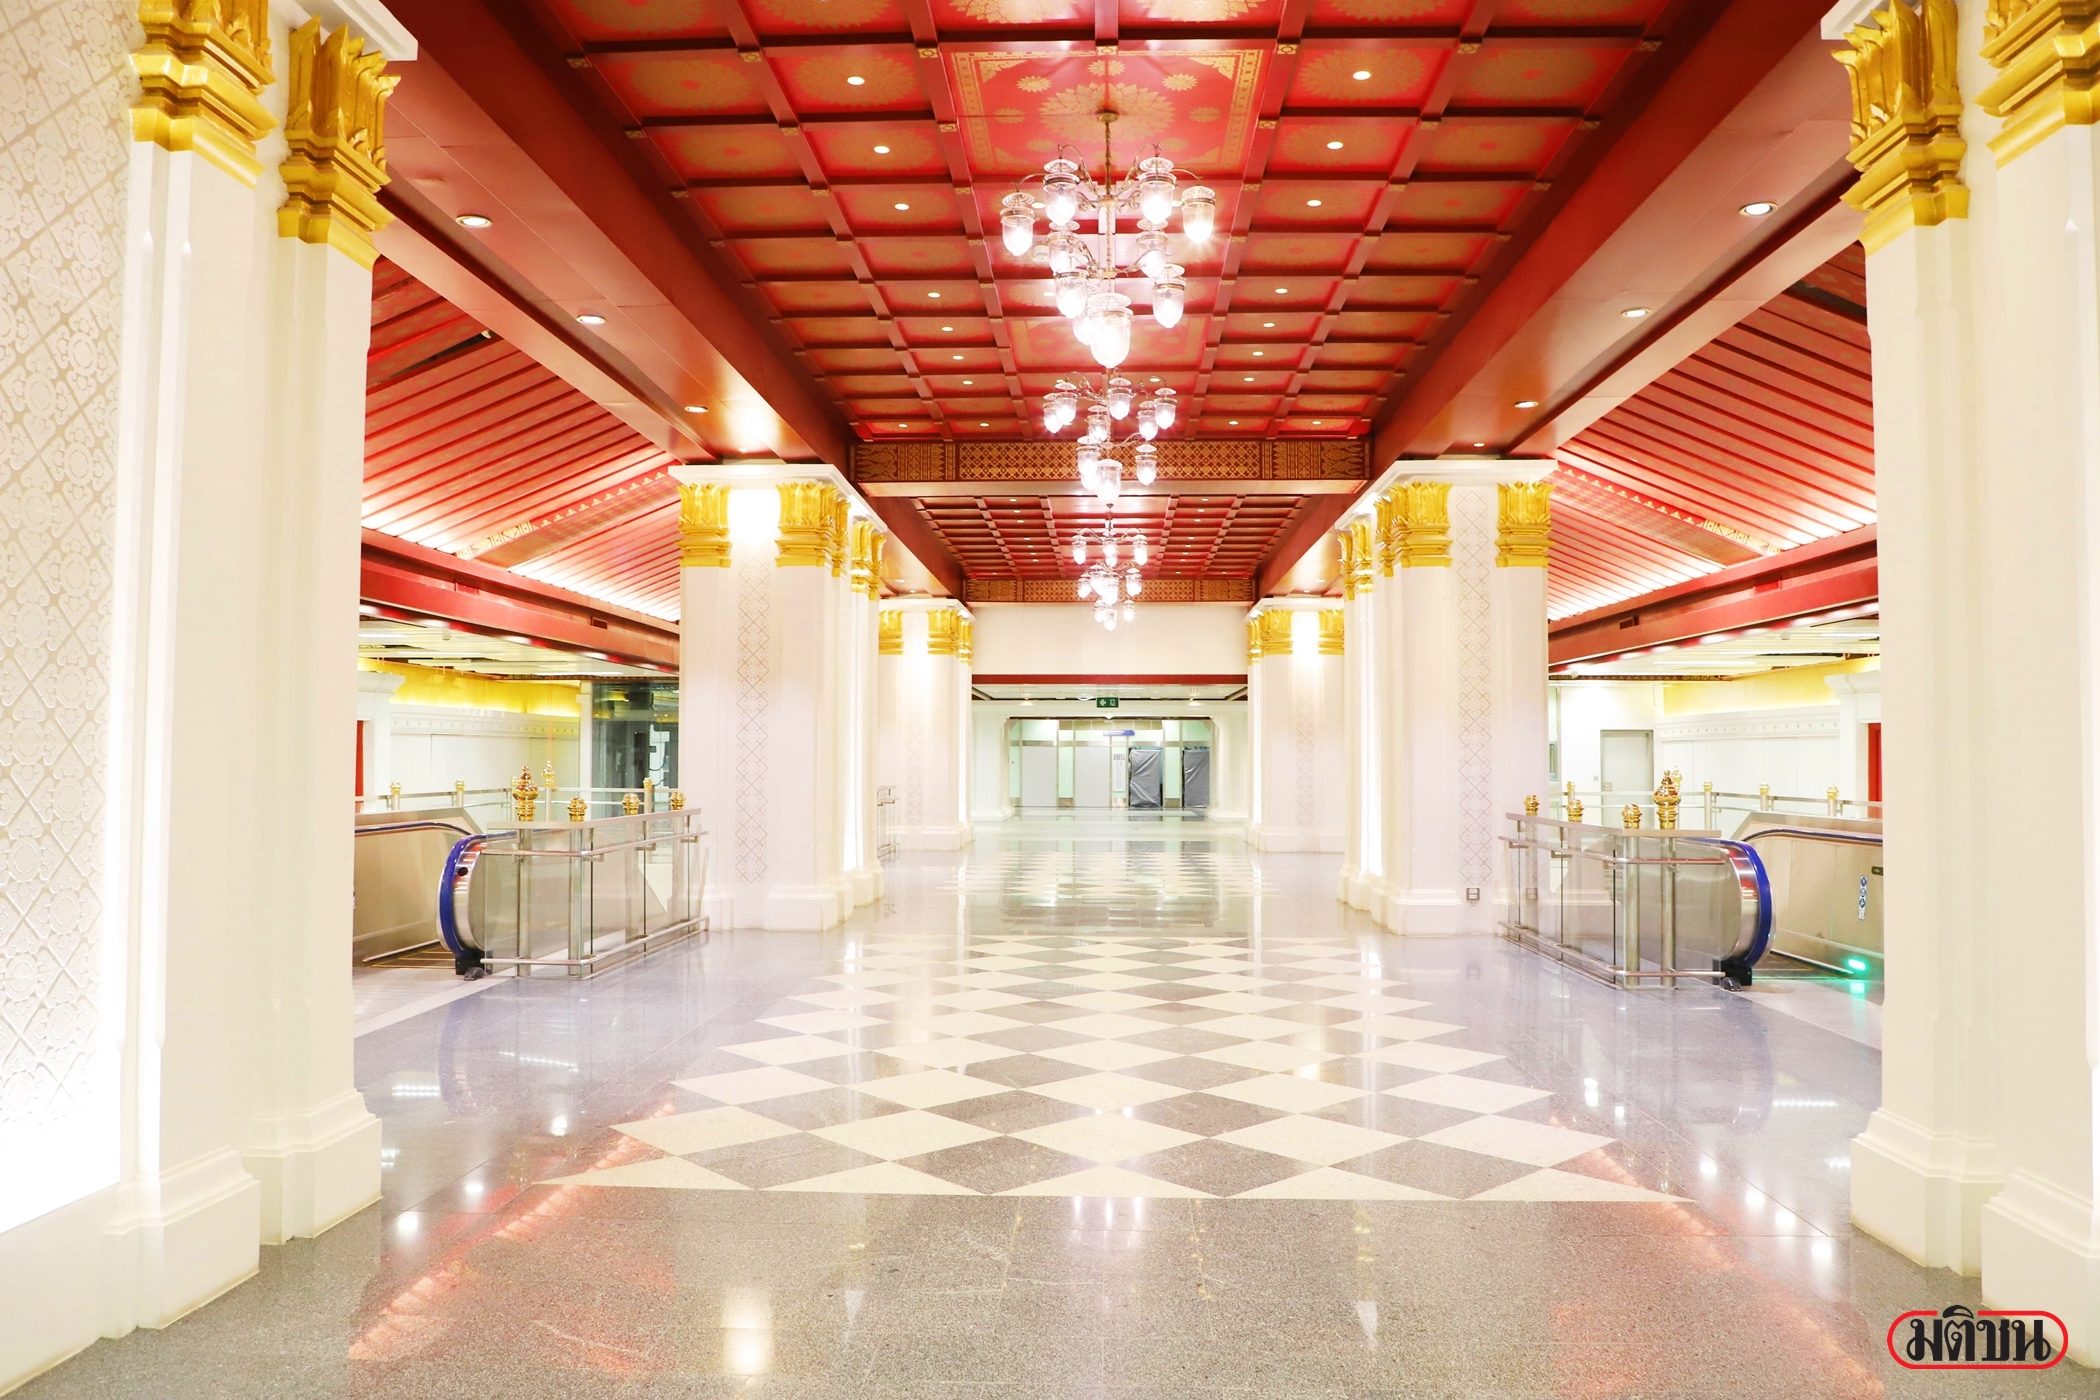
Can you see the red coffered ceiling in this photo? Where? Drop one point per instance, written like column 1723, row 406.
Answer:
column 1029, row 538
column 1761, row 441
column 1375, row 161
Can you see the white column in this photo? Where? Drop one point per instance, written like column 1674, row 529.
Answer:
column 1296, row 727
column 925, row 717
column 1387, row 674
column 1356, row 777
column 762, row 722
column 865, row 587
column 1517, row 661
column 1423, row 894
column 1365, row 756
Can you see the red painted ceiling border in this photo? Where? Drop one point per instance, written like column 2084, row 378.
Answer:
column 1841, row 572
column 394, row 573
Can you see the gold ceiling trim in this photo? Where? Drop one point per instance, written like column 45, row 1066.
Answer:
column 1064, row 590
column 1319, row 459
column 335, row 125
column 201, row 74
column 2047, row 53
column 1906, row 119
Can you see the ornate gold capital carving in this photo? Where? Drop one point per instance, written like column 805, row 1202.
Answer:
column 335, row 125
column 806, row 515
column 1276, row 632
column 703, row 527
column 836, row 541
column 1523, row 524
column 1389, row 530
column 965, row 640
column 1422, row 524
column 1331, row 624
column 1346, row 538
column 2047, row 53
column 889, row 632
column 1366, row 558
column 861, row 549
column 1253, row 640
column 1906, row 119
column 943, row 632
column 201, row 75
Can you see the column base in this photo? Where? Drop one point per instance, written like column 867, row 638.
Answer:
column 175, row 1244
column 2041, row 1249
column 1432, row 913
column 322, row 1168
column 932, row 838
column 1922, row 1194
column 1293, row 838
column 800, row 908
column 867, row 885
column 1349, row 875
column 1362, row 891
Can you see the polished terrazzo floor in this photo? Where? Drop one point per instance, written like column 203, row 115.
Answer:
column 1095, row 1109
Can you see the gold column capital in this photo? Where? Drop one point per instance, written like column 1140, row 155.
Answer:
column 1276, row 632
column 836, row 539
column 1253, row 640
column 1523, row 524
column 2047, row 53
column 201, row 74
column 965, row 640
column 1422, row 524
column 943, row 632
column 1906, row 119
column 1346, row 538
column 863, row 550
column 889, row 632
column 806, row 518
column 1366, row 557
column 1389, row 530
column 335, row 126
column 1331, row 625
column 703, row 526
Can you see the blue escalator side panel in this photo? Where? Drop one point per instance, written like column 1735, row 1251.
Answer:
column 448, row 927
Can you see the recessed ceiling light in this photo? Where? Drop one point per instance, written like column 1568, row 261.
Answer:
column 955, row 357
column 1283, row 291
column 1362, row 75
column 948, row 328
column 901, row 207
column 1312, row 203
column 882, row 150
column 695, row 408
column 1758, row 208
column 1154, row 379
column 1232, row 422
column 590, row 318
column 1634, row 313
column 984, row 425
column 473, row 220
column 1334, row 145
column 1259, row 353
column 968, row 382
column 855, row 81
column 1268, row 325
column 1246, row 379
column 1527, row 403
column 933, row 296
column 1316, row 422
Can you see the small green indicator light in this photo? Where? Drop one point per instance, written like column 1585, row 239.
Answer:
column 1855, row 964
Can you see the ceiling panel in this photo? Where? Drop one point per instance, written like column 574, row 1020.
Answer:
column 849, row 157
column 1761, row 441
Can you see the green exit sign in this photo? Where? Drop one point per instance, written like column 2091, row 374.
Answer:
column 1106, row 702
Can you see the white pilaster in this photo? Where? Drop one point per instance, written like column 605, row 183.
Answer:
column 1296, row 727
column 925, row 714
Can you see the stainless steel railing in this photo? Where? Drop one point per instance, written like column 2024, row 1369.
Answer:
column 1637, row 906
column 575, row 896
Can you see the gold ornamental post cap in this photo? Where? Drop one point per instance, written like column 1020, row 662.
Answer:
column 1531, row 805
column 1574, row 809
column 677, row 800
column 1630, row 817
column 630, row 805
column 578, row 809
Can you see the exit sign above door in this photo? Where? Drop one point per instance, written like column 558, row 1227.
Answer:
column 1106, row 702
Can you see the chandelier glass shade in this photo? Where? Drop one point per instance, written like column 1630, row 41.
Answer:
column 1111, row 580
column 1087, row 266
column 1119, row 425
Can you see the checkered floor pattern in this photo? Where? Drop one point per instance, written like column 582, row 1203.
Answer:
column 1117, row 1067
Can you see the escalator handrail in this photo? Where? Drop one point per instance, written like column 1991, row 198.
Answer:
column 454, row 927
column 1755, row 936
column 384, row 828
column 1810, row 833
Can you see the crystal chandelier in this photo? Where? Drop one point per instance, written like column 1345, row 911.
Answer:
column 1088, row 277
column 1113, row 403
column 1111, row 579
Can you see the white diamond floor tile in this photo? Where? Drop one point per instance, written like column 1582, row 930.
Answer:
column 1539, row 1144
column 1272, row 1056
column 819, row 1022
column 1107, row 1091
column 907, row 1134
column 683, row 1133
column 1107, row 1054
column 1475, row 1095
column 1106, row 1137
column 790, row 1049
column 751, row 1085
column 930, row 1088
column 1287, row 1093
column 1318, row 1140
column 950, row 1053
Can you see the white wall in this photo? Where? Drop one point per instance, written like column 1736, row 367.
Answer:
column 434, row 746
column 1167, row 639
column 1229, row 754
column 1794, row 750
column 1583, row 711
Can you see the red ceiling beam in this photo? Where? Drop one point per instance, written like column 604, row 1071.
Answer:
column 397, row 574
column 1834, row 573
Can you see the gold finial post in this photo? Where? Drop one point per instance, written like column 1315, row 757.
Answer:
column 578, row 809
column 648, row 794
column 1531, row 805
column 1666, row 800
column 1574, row 808
column 630, row 805
column 459, row 792
column 547, row 780
column 524, row 796
column 1630, row 817
column 1706, row 790
column 1830, row 795
column 1764, row 797
column 393, row 797
column 677, row 802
